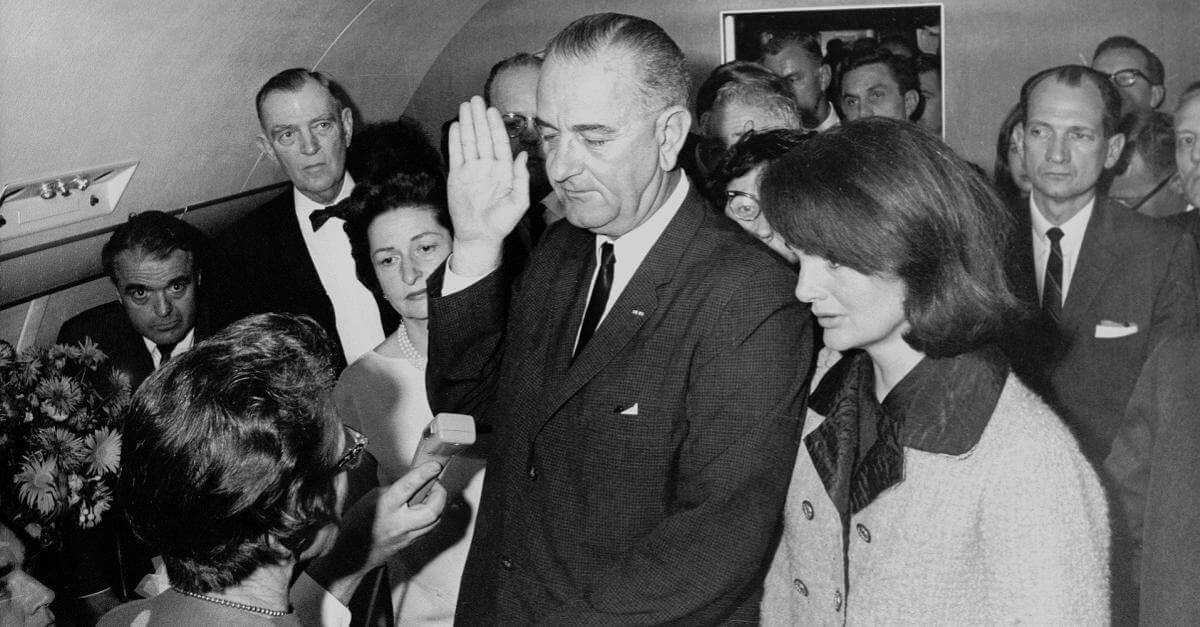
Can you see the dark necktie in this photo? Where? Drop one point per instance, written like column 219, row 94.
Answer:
column 164, row 352
column 1052, row 284
column 320, row 216
column 595, row 307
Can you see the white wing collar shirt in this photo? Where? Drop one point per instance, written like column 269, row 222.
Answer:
column 354, row 310
column 1072, row 240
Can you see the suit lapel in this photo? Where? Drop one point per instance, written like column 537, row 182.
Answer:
column 637, row 303
column 292, row 252
column 1095, row 262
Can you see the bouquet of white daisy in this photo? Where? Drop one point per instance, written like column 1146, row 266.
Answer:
column 60, row 443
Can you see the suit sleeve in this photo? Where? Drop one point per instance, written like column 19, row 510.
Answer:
column 744, row 410
column 466, row 342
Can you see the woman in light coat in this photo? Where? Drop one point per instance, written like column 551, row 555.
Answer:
column 931, row 486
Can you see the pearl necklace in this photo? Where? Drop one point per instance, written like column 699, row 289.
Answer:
column 234, row 604
column 409, row 351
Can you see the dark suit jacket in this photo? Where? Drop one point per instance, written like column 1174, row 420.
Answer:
column 1132, row 270
column 1155, row 472
column 109, row 328
column 261, row 264
column 642, row 482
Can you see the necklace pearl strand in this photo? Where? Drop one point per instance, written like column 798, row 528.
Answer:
column 234, row 604
column 409, row 351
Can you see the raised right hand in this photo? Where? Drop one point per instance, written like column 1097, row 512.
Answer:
column 488, row 191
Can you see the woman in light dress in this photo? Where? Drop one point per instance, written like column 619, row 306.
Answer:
column 400, row 233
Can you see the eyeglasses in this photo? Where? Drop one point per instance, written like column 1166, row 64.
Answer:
column 353, row 455
column 1126, row 78
column 517, row 124
column 742, row 205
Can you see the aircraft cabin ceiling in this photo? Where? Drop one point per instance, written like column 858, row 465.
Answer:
column 170, row 84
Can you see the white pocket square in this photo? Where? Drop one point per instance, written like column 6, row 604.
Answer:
column 1107, row 329
column 630, row 411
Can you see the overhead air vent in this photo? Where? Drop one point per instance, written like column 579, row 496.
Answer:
column 54, row 201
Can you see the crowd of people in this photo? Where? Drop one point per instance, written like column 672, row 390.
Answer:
column 780, row 357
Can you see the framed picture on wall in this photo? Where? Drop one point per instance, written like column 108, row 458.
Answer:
column 911, row 30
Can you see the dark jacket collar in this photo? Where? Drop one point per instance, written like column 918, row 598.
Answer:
column 940, row 406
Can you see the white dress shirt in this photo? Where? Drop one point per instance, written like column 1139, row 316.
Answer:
column 180, row 347
column 629, row 250
column 1072, row 240
column 354, row 310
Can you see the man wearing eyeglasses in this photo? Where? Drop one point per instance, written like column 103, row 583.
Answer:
column 1137, row 72
column 511, row 87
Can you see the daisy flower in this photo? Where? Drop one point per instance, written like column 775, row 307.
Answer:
column 104, row 451
column 37, row 485
column 8, row 356
column 62, row 445
column 59, row 397
column 90, row 354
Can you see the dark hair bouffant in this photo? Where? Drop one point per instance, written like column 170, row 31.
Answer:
column 419, row 190
column 228, row 452
column 887, row 198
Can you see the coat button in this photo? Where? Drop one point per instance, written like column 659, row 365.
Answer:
column 837, row 601
column 864, row 533
column 506, row 563
column 807, row 508
column 800, row 587
column 533, row 473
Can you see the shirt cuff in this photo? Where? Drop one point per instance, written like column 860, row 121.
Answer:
column 453, row 283
column 313, row 605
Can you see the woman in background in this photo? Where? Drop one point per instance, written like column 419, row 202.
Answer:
column 932, row 487
column 1008, row 172
column 400, row 233
column 734, row 182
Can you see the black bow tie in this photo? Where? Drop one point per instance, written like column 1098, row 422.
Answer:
column 320, row 216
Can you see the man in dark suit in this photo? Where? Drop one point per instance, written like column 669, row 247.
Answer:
column 646, row 404
column 1111, row 282
column 153, row 261
column 292, row 254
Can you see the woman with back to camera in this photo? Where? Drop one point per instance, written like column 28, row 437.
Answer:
column 734, row 182
column 400, row 232
column 233, row 467
column 931, row 486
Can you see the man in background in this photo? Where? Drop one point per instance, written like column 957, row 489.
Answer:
column 1111, row 283
column 292, row 255
column 153, row 261
column 1145, row 178
column 1134, row 69
column 877, row 82
column 796, row 57
column 511, row 88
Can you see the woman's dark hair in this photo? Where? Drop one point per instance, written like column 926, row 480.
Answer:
column 887, row 198
column 754, row 149
column 423, row 190
column 228, row 451
column 1002, row 175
